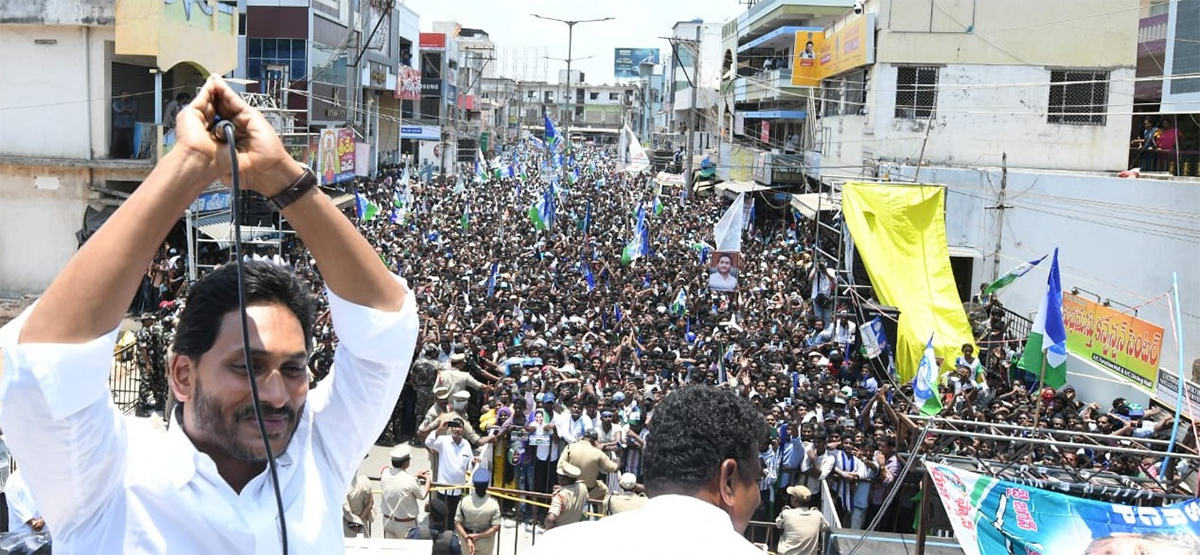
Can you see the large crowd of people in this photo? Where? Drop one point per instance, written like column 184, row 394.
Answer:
column 557, row 340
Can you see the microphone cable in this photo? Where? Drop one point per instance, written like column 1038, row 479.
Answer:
column 224, row 131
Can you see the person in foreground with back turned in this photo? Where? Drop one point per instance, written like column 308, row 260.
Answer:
column 702, row 471
column 204, row 487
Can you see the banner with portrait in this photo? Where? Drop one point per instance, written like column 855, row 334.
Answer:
column 997, row 516
column 723, row 271
column 335, row 156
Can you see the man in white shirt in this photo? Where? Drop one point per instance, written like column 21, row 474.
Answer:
column 204, row 487
column 701, row 469
column 721, row 277
column 455, row 456
column 22, row 511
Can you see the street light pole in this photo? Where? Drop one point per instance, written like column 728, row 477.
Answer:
column 570, row 48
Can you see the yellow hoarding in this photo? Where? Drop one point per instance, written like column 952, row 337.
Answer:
column 201, row 32
column 1122, row 343
column 818, row 55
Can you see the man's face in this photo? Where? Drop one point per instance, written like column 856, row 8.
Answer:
column 218, row 408
column 746, row 496
column 576, row 410
column 456, row 432
column 724, row 265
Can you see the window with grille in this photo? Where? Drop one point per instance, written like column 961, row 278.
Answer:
column 1078, row 97
column 916, row 92
column 831, row 95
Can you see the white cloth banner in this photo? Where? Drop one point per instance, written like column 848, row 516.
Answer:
column 728, row 231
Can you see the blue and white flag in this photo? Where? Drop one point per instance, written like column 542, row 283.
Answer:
column 874, row 340
column 587, row 276
column 492, row 278
column 679, row 305
column 925, row 383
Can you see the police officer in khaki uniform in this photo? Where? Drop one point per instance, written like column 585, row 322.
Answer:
column 630, row 497
column 570, row 500
column 358, row 508
column 478, row 517
column 400, row 492
column 802, row 527
column 590, row 461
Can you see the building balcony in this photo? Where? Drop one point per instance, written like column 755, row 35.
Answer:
column 1152, row 36
column 768, row 85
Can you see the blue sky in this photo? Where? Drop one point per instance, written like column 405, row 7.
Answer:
column 638, row 24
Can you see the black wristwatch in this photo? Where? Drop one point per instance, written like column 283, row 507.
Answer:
column 293, row 192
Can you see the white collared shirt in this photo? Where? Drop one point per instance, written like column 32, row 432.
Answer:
column 105, row 486
column 454, row 459
column 665, row 524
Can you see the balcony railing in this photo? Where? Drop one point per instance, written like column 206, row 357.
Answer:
column 1152, row 35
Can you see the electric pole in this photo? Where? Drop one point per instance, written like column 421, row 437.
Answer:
column 570, row 48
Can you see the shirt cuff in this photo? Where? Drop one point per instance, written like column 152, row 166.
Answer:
column 70, row 376
column 372, row 334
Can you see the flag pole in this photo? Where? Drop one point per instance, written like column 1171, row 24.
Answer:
column 1037, row 414
column 1180, row 395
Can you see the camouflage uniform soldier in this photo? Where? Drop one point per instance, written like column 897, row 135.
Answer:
column 424, row 373
column 151, row 359
column 322, row 359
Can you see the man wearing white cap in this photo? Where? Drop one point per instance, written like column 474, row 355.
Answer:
column 400, row 492
column 802, row 527
column 628, row 499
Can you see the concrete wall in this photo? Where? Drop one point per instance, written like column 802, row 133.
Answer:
column 1011, row 32
column 57, row 12
column 984, row 111
column 37, row 225
column 54, row 94
column 1118, row 238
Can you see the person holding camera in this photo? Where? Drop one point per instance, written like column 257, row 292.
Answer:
column 455, row 457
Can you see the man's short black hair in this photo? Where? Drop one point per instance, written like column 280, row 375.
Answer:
column 697, row 428
column 216, row 295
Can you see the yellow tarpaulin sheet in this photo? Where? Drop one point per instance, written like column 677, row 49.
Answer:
column 900, row 232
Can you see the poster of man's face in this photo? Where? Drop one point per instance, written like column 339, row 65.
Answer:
column 723, row 271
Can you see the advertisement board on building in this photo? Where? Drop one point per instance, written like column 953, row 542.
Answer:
column 335, row 151
column 787, row 169
column 433, row 41
column 626, row 61
column 1121, row 343
column 821, row 54
column 452, row 94
column 431, row 88
column 408, row 84
column 1166, row 391
column 420, row 132
column 762, row 168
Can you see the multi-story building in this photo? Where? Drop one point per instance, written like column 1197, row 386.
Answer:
column 71, row 148
column 1168, row 92
column 1020, row 110
column 771, row 101
column 695, row 50
column 437, row 114
column 331, row 66
column 959, row 83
